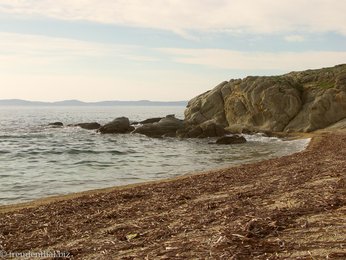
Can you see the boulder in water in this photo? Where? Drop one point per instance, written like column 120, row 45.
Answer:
column 89, row 126
column 234, row 139
column 117, row 126
column 56, row 124
column 150, row 120
column 167, row 126
column 206, row 129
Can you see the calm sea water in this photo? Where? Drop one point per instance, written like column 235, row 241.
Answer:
column 38, row 161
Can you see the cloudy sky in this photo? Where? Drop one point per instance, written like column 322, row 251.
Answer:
column 159, row 49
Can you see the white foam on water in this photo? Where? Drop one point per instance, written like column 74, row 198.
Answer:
column 287, row 145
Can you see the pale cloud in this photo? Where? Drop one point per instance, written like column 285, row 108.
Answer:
column 19, row 51
column 180, row 16
column 147, row 84
column 237, row 60
column 44, row 68
column 294, row 38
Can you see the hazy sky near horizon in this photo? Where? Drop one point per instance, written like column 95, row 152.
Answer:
column 159, row 49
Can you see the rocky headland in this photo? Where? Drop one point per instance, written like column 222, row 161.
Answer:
column 292, row 207
column 295, row 102
column 303, row 101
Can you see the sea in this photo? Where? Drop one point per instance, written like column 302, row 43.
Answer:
column 37, row 160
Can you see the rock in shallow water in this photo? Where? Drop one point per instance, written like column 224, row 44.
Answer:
column 89, row 126
column 234, row 139
column 167, row 126
column 206, row 129
column 151, row 120
column 119, row 125
column 56, row 124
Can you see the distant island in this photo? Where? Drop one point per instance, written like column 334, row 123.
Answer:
column 20, row 102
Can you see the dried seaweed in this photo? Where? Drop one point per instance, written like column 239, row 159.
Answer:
column 292, row 207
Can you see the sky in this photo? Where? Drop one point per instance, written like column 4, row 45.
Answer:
column 166, row 50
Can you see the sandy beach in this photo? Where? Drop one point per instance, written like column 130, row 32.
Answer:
column 293, row 207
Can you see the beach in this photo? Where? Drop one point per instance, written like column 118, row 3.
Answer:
column 293, row 207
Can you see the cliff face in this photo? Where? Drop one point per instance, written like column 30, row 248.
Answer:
column 295, row 102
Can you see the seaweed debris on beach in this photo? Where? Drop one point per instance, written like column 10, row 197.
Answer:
column 293, row 207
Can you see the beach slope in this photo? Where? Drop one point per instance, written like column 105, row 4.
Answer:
column 289, row 207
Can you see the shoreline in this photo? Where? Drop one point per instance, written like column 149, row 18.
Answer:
column 55, row 198
column 287, row 207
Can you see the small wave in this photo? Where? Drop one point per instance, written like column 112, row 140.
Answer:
column 24, row 136
column 10, row 199
column 70, row 152
column 14, row 136
column 81, row 151
column 260, row 138
column 7, row 175
column 85, row 162
column 94, row 164
column 301, row 144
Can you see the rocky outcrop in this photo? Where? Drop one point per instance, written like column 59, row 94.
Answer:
column 234, row 139
column 264, row 103
column 339, row 125
column 167, row 126
column 117, row 126
column 150, row 120
column 294, row 102
column 88, row 126
column 321, row 109
column 209, row 105
column 206, row 129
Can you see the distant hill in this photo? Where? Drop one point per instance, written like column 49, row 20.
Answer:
column 20, row 102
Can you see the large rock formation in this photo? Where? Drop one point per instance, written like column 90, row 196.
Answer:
column 294, row 102
column 167, row 126
column 339, row 125
column 209, row 105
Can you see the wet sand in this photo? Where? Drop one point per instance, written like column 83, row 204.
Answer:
column 293, row 207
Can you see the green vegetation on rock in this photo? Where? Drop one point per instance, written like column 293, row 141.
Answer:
column 325, row 85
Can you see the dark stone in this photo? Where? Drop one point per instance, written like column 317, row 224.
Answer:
column 150, row 120
column 212, row 129
column 56, row 124
column 117, row 126
column 170, row 134
column 206, row 129
column 89, row 126
column 167, row 126
column 234, row 139
column 195, row 132
column 185, row 131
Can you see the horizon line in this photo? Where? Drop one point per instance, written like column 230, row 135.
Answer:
column 83, row 101
column 79, row 103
